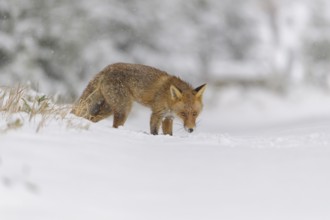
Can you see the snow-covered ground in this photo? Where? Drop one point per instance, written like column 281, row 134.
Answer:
column 254, row 156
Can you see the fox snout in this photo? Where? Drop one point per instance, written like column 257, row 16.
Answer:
column 190, row 130
column 189, row 126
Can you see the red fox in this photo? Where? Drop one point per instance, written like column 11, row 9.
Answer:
column 115, row 88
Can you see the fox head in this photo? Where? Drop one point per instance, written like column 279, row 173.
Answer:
column 187, row 105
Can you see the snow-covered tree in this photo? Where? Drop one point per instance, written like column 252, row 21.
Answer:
column 58, row 45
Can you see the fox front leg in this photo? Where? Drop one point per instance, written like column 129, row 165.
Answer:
column 167, row 126
column 155, row 122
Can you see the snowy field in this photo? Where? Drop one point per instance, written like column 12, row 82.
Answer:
column 254, row 156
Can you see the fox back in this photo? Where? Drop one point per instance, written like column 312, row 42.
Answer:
column 113, row 91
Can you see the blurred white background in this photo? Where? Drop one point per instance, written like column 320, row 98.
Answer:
column 58, row 45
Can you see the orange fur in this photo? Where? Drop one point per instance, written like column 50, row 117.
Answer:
column 115, row 88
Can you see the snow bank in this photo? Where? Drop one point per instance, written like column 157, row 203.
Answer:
column 251, row 170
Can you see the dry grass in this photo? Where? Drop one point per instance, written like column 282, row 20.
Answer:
column 21, row 104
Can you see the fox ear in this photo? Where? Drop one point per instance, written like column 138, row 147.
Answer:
column 200, row 90
column 175, row 93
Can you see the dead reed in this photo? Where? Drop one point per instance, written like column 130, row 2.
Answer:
column 21, row 104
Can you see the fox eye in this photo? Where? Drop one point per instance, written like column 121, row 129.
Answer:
column 194, row 114
column 183, row 114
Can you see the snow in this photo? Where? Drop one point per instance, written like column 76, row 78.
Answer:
column 212, row 39
column 255, row 155
column 245, row 161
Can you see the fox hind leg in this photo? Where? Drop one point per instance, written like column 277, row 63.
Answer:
column 96, row 108
column 119, row 119
column 121, row 112
column 120, row 100
column 100, row 110
column 92, row 107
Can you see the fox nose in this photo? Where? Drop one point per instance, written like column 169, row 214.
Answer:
column 190, row 130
